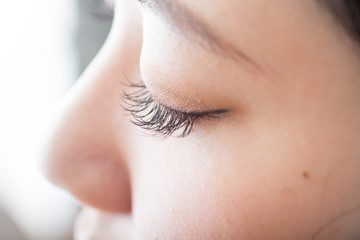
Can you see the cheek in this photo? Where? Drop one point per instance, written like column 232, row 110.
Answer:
column 180, row 193
column 249, row 183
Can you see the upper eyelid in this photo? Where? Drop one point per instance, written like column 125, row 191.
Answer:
column 151, row 115
column 141, row 84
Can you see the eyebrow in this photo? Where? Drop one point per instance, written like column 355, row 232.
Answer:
column 183, row 21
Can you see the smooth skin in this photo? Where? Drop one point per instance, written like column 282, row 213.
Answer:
column 283, row 163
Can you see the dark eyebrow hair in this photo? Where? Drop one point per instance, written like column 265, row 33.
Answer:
column 184, row 22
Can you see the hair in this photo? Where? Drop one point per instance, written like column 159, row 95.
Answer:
column 347, row 14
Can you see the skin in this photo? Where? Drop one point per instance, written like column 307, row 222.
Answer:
column 283, row 163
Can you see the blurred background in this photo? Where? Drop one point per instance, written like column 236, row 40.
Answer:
column 44, row 47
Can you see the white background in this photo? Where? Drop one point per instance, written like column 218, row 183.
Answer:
column 37, row 66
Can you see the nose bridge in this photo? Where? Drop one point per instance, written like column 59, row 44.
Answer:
column 84, row 153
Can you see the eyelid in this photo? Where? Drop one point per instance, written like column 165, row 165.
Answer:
column 196, row 113
column 160, row 119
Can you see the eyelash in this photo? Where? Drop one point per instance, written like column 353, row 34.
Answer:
column 163, row 121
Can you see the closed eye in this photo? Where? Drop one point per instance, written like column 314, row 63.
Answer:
column 159, row 119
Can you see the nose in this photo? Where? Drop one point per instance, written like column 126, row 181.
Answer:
column 86, row 150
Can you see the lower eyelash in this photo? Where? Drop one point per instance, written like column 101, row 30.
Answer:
column 153, row 116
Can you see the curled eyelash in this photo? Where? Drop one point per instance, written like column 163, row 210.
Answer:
column 157, row 118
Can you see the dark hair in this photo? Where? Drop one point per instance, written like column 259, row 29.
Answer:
column 347, row 14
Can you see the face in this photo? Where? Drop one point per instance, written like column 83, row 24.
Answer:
column 269, row 94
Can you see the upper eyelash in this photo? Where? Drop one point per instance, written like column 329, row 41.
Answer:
column 162, row 120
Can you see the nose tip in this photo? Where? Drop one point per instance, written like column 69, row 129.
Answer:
column 83, row 155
